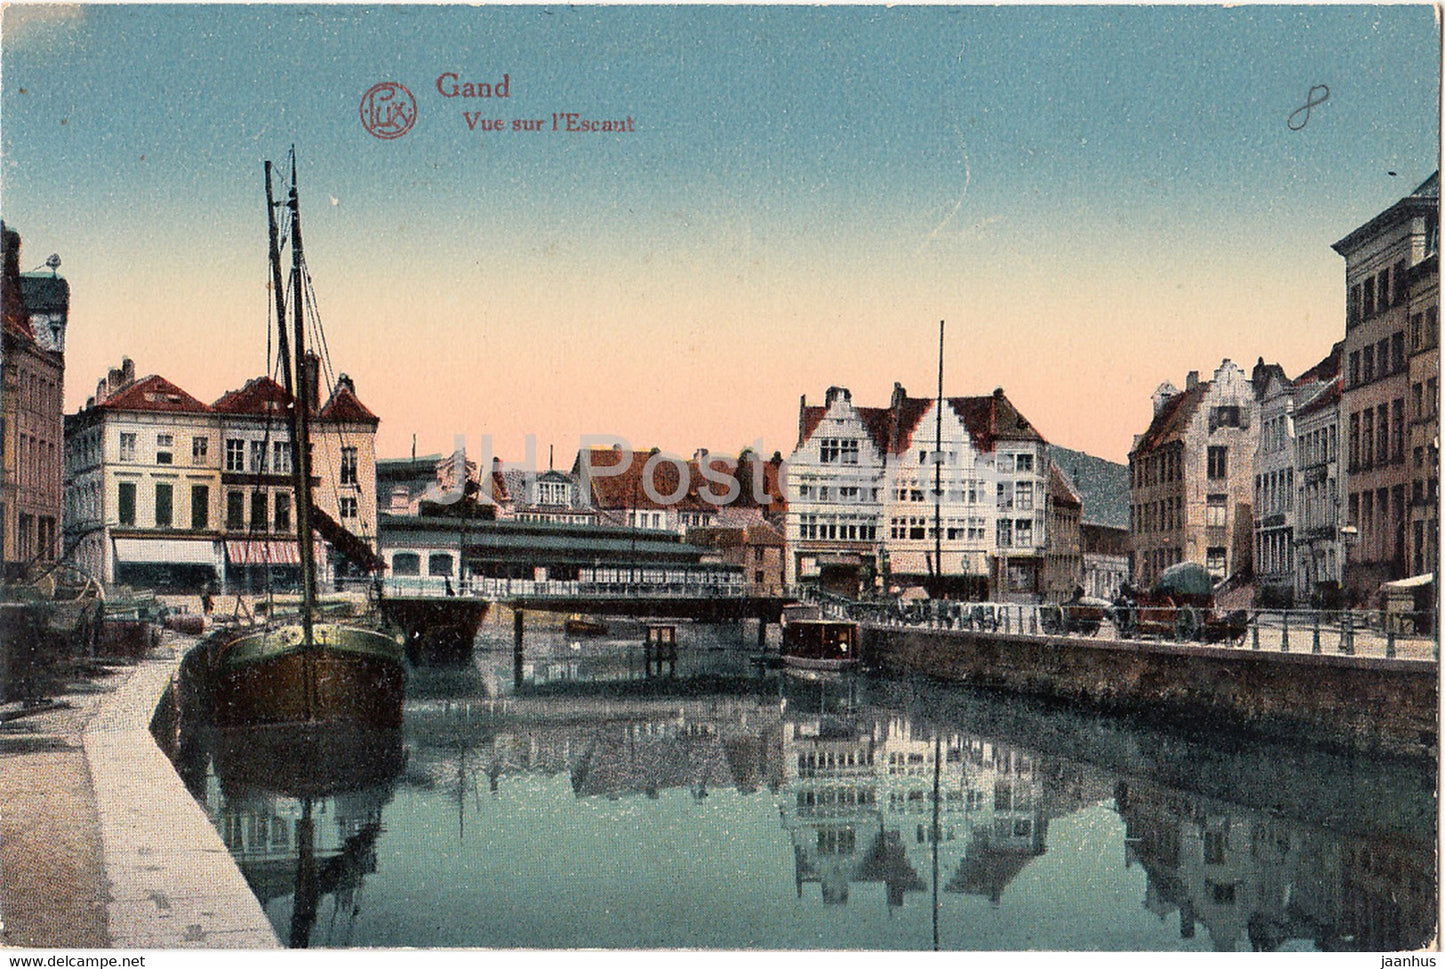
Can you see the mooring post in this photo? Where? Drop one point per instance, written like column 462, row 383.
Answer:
column 1389, row 642
column 1284, row 632
column 1315, row 646
column 517, row 618
column 1347, row 633
column 1256, row 631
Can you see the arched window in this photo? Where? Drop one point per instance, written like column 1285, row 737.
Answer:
column 406, row 563
column 439, row 563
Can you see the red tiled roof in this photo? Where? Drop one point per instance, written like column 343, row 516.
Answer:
column 625, row 490
column 1171, row 420
column 878, row 421
column 345, row 406
column 154, row 393
column 261, row 395
column 988, row 420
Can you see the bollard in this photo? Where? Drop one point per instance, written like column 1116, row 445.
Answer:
column 1347, row 634
column 1034, row 622
column 1390, row 643
column 1315, row 646
column 1005, row 620
column 1256, row 631
column 1284, row 633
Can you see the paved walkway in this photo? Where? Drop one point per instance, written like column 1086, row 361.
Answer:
column 158, row 866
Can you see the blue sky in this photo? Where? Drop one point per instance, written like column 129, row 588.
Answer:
column 1096, row 199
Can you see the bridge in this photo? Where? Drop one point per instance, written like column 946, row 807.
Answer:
column 688, row 597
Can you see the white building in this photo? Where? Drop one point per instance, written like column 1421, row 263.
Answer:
column 914, row 494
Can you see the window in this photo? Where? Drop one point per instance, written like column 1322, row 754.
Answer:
column 1397, row 352
column 348, row 465
column 1397, row 426
column 1382, row 291
column 235, row 510
column 1024, row 462
column 125, row 502
column 347, row 505
column 406, row 563
column 439, row 563
column 258, row 457
column 834, row 450
column 127, row 446
column 1024, row 496
column 1226, row 416
column 200, row 506
column 200, row 448
column 1216, row 511
column 163, row 505
column 1005, row 533
column 281, row 457
column 235, row 454
column 1370, row 296
column 1215, row 561
column 165, row 449
column 1218, row 462
column 1354, row 368
column 259, row 518
column 283, row 512
column 1023, row 532
column 1367, row 364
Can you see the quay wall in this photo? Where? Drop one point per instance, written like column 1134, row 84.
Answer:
column 1359, row 703
column 172, row 882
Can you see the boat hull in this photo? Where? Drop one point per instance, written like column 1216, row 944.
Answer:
column 437, row 630
column 820, row 665
column 351, row 674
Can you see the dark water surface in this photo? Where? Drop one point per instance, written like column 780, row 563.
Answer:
column 724, row 807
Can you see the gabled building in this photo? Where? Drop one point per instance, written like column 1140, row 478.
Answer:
column 1318, row 544
column 143, row 484
column 661, row 491
column 1064, row 556
column 167, row 491
column 1422, row 533
column 952, row 496
column 1380, row 257
column 1192, row 477
column 32, row 383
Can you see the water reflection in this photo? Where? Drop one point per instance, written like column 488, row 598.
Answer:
column 300, row 809
column 721, row 807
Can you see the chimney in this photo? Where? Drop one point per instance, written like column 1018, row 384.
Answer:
column 834, row 393
column 127, row 371
column 899, row 395
column 344, row 380
column 1191, row 381
column 311, row 380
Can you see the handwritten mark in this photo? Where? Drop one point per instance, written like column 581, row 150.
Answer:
column 1310, row 102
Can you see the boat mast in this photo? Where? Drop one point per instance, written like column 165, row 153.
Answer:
column 301, row 423
column 938, row 472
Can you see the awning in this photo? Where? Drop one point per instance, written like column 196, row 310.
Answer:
column 1414, row 582
column 170, row 551
column 262, row 552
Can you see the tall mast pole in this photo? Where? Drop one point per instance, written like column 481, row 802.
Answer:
column 301, row 433
column 938, row 468
column 278, row 287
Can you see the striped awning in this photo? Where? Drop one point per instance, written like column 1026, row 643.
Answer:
column 259, row 551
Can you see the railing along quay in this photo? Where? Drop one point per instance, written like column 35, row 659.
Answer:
column 1356, row 632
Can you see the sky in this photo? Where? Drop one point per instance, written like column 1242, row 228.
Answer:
column 1094, row 199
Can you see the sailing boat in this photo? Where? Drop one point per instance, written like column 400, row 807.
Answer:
column 298, row 669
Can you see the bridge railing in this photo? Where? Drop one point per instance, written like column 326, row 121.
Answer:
column 1362, row 632
column 574, row 589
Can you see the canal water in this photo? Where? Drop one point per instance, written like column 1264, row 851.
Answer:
column 582, row 800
